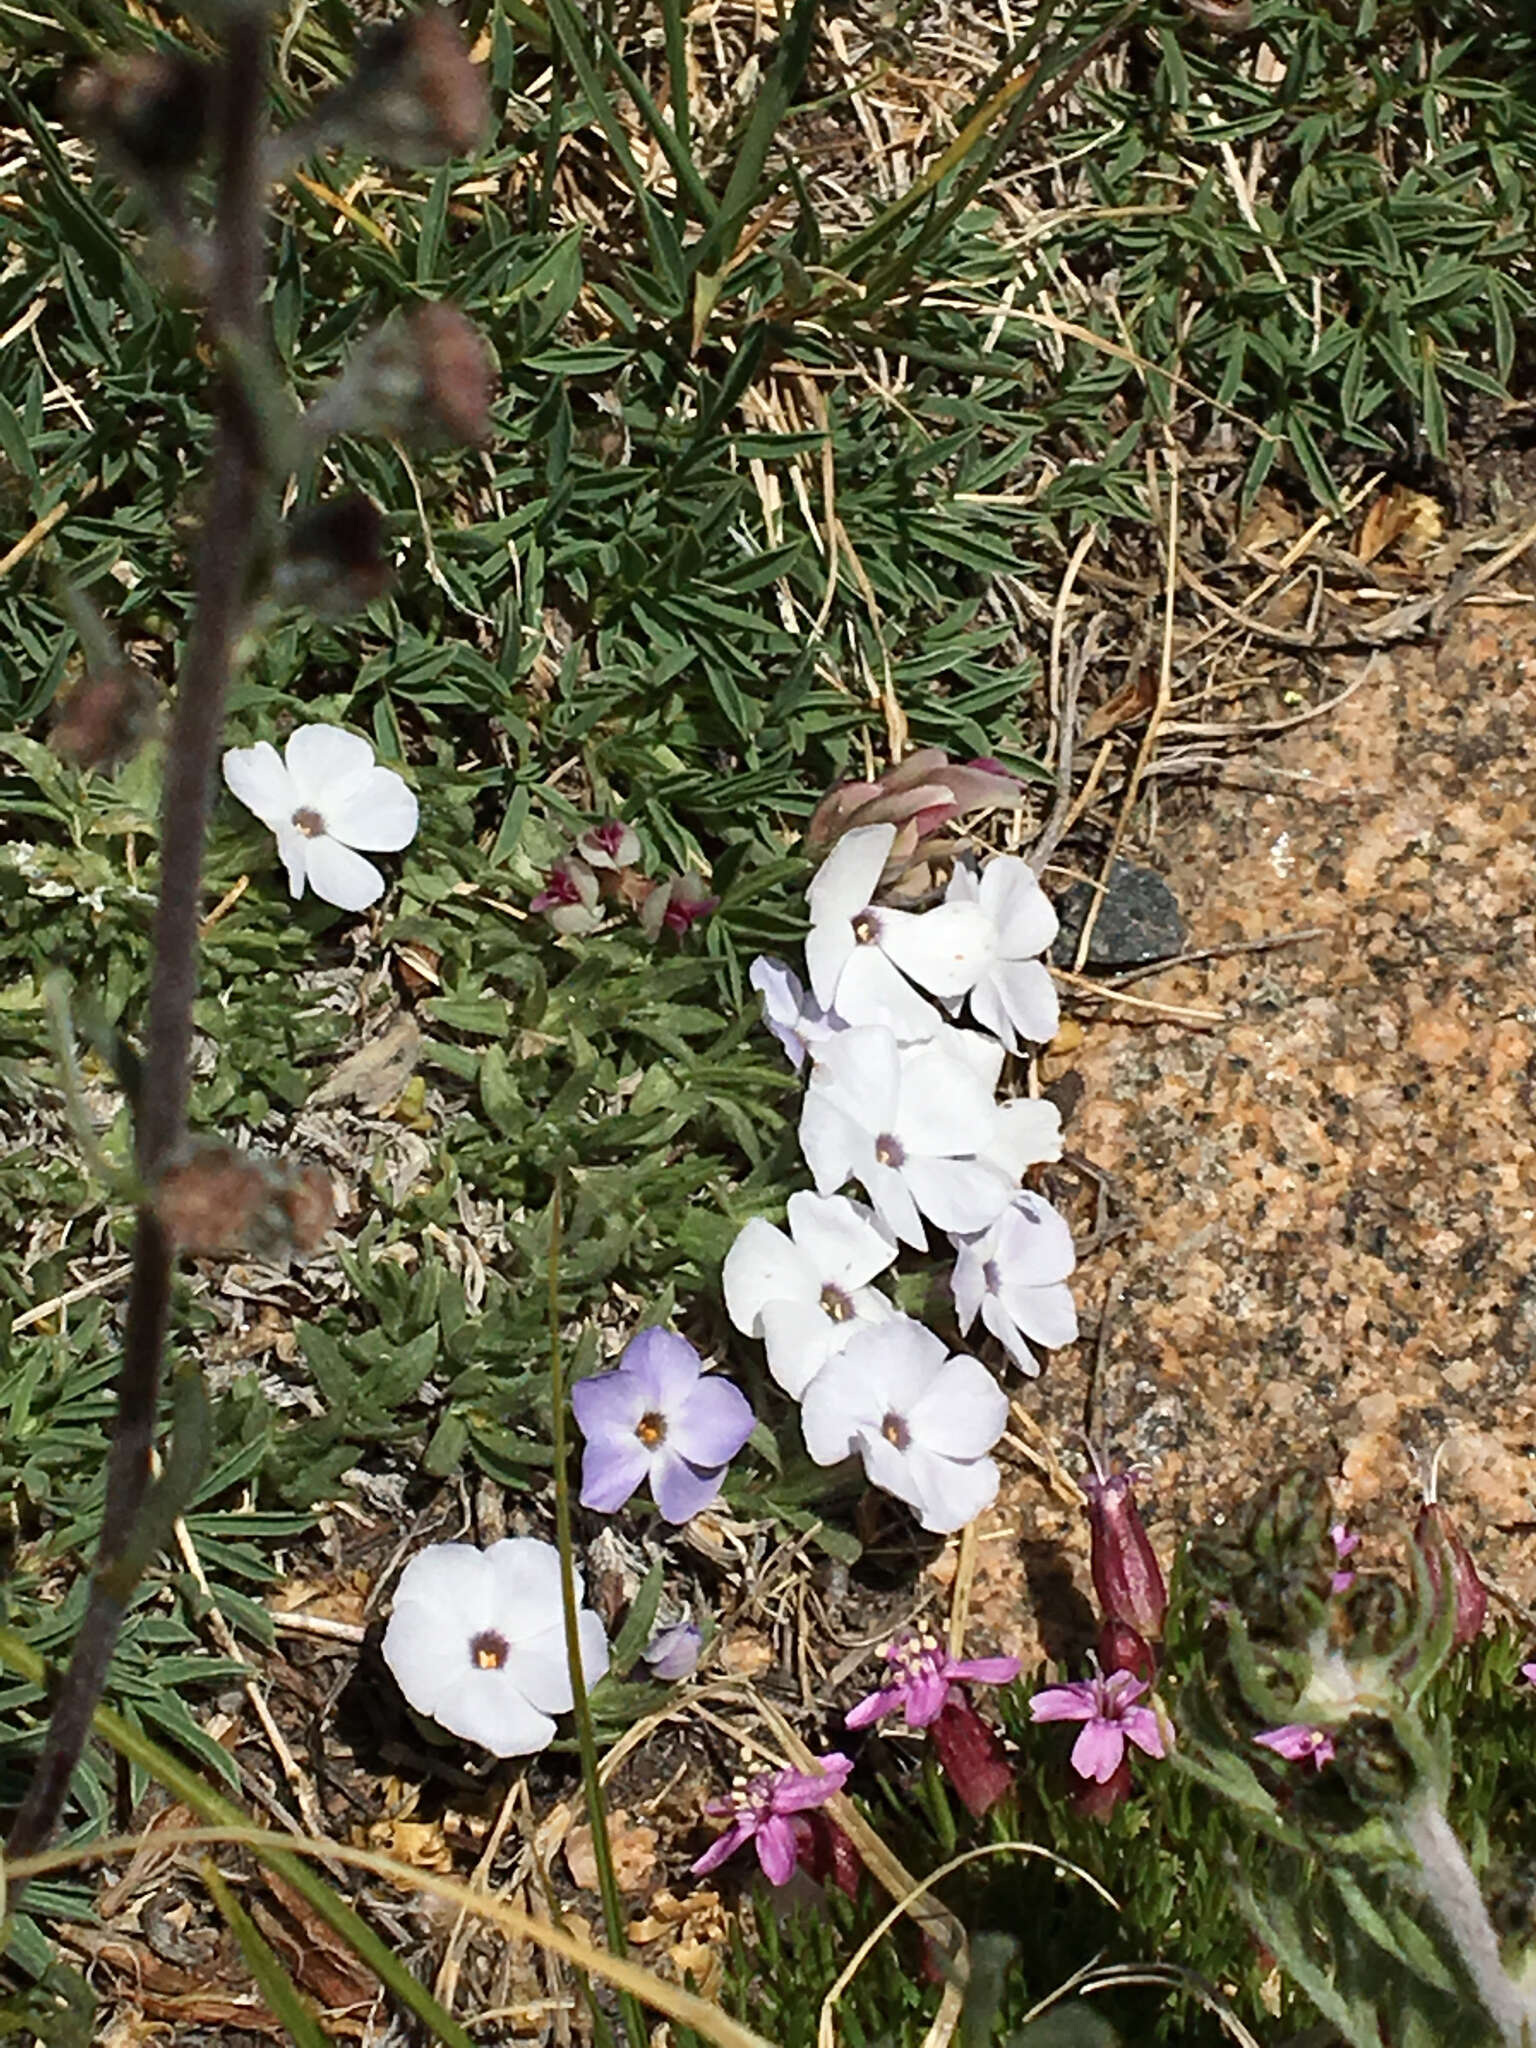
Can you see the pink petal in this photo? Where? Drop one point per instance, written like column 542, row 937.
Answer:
column 796, row 1790
column 1077, row 1702
column 870, row 1709
column 776, row 1850
column 987, row 1670
column 1142, row 1727
column 740, row 1831
column 1097, row 1751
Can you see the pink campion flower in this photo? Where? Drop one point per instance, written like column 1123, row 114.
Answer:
column 1296, row 1742
column 569, row 897
column 1345, row 1542
column 1108, row 1707
column 1528, row 1673
column 760, row 1807
column 923, row 1678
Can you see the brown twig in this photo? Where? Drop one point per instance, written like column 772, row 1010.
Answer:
column 235, row 486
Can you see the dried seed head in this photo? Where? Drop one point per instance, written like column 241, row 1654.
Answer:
column 334, row 558
column 416, row 97
column 426, row 375
column 105, row 716
column 151, row 112
column 216, row 1201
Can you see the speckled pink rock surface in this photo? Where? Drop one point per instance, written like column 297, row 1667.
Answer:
column 1334, row 1258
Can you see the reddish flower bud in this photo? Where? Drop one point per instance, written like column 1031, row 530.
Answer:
column 334, row 560
column 150, row 113
column 1438, row 1538
column 918, row 796
column 427, row 375
column 1126, row 1574
column 1095, row 1801
column 415, row 97
column 611, row 845
column 569, row 897
column 216, row 1201
column 676, row 906
column 1122, row 1648
column 105, row 716
column 971, row 1753
column 826, row 1852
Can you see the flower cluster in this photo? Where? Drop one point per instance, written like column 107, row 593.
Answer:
column 601, row 872
column 903, row 1100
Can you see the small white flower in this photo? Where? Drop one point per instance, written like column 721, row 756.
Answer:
column 922, row 1422
column 476, row 1642
column 795, row 1018
column 1026, row 1132
column 912, row 1124
column 1016, row 1274
column 860, row 955
column 805, row 1294
column 1012, row 994
column 325, row 798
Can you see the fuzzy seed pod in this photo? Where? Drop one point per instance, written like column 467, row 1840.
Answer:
column 105, row 716
column 150, row 113
column 216, row 1201
column 334, row 559
column 416, row 97
column 1437, row 1537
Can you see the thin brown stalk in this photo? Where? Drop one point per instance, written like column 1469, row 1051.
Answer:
column 235, row 485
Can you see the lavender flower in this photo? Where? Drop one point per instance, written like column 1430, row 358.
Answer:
column 656, row 1418
column 1108, row 1706
column 1295, row 1742
column 923, row 1680
column 759, row 1808
column 1528, row 1673
column 673, row 1652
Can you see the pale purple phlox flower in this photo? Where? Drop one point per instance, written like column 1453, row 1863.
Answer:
column 759, row 1810
column 922, row 1678
column 1108, row 1707
column 659, row 1417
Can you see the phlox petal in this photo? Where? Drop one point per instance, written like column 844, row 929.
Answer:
column 1046, row 1315
column 1011, row 895
column 712, row 1423
column 871, row 992
column 841, row 1239
column 1025, row 1132
column 323, row 760
column 849, row 876
column 377, row 812
column 963, row 1411
column 800, row 1338
column 950, row 1491
column 679, row 1489
column 995, row 1317
column 256, row 775
column 962, row 1195
column 341, row 877
column 836, row 1148
column 663, row 1365
column 609, row 1404
column 488, row 1708
column 293, row 852
column 612, row 1468
column 943, row 950
column 764, row 1265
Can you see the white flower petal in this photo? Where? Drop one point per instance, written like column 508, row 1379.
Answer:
column 991, row 1012
column 841, row 1239
column 994, row 1314
column 976, row 1050
column 950, row 1493
column 1046, row 1315
column 762, row 1266
column 1027, row 995
column 828, row 949
column 489, row 1707
column 962, row 1413
column 831, row 1417
column 1026, row 1132
column 293, row 852
column 322, row 760
column 525, row 1575
column 453, row 1580
column 893, row 1203
column 962, row 1195
column 870, row 991
column 800, row 1338
column 967, row 1283
column 1019, row 908
column 889, row 1469
column 861, row 1072
column 1032, row 1243
column 849, row 876
column 894, row 1363
column 836, row 1149
column 964, row 884
column 945, row 1111
column 339, row 876
column 944, row 950
column 256, row 775
column 426, row 1654
column 376, row 813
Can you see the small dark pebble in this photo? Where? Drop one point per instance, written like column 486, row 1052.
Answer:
column 1138, row 920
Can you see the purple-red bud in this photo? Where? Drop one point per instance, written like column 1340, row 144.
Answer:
column 1436, row 1535
column 569, row 897
column 971, row 1754
column 1126, row 1573
column 1123, row 1648
column 826, row 1852
column 416, row 96
column 105, row 716
column 216, row 1201
column 334, row 558
column 150, row 112
column 676, row 906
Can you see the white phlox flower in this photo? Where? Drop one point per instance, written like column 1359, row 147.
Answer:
column 1027, row 1132
column 1015, row 1274
column 805, row 1293
column 1011, row 993
column 922, row 1422
column 860, row 954
column 913, row 1125
column 328, row 803
column 476, row 1642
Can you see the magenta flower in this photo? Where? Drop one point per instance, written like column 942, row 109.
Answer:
column 1528, row 1672
column 658, row 1417
column 569, row 897
column 922, row 1680
column 759, row 1808
column 676, row 906
column 1108, row 1706
column 613, row 844
column 1295, row 1742
column 1345, row 1542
